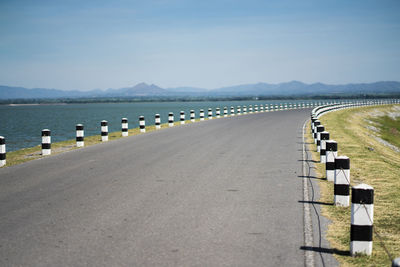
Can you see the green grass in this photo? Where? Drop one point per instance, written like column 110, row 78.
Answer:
column 372, row 163
column 389, row 129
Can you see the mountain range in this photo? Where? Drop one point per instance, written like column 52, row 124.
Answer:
column 293, row 88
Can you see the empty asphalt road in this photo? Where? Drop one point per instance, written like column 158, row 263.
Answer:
column 223, row 192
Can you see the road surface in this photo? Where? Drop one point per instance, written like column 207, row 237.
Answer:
column 224, row 192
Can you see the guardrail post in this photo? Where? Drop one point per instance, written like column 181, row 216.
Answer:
column 171, row 119
column 232, row 111
column 396, row 262
column 192, row 116
column 142, row 124
column 256, row 108
column 250, row 109
column 342, row 181
column 104, row 131
column 244, row 110
column 238, row 110
column 320, row 129
column 46, row 142
column 331, row 154
column 124, row 126
column 218, row 112
column 225, row 112
column 80, row 135
column 324, row 138
column 182, row 118
column 261, row 108
column 157, row 121
column 316, row 123
column 210, row 114
column 362, row 217
column 201, row 114
column 2, row 151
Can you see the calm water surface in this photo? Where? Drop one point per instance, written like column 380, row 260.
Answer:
column 22, row 125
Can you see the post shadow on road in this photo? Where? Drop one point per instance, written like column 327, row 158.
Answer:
column 309, row 160
column 326, row 250
column 316, row 202
column 311, row 177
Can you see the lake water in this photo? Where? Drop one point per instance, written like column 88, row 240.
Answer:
column 22, row 125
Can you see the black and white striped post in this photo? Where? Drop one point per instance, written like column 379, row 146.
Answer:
column 244, row 110
column 182, row 118
column 250, row 109
column 324, row 138
column 316, row 123
column 256, row 108
column 232, row 111
column 225, row 112
column 266, row 108
column 238, row 110
column 202, row 114
column 362, row 217
column 218, row 112
column 142, row 124
column 80, row 135
column 261, row 108
column 210, row 113
column 46, row 142
column 157, row 121
column 2, row 151
column 192, row 116
column 320, row 129
column 124, row 126
column 171, row 119
column 342, row 181
column 104, row 131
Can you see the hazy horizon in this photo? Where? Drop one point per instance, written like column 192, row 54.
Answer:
column 86, row 45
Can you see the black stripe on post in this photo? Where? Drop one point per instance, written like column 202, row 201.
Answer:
column 46, row 145
column 79, row 127
column 104, row 133
column 342, row 163
column 2, row 156
column 341, row 189
column 361, row 232
column 331, row 146
column 362, row 196
column 104, row 123
column 80, row 139
column 325, row 136
column 2, row 141
column 330, row 166
column 46, row 133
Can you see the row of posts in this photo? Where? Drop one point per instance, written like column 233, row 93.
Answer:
column 46, row 134
column 80, row 142
column 338, row 171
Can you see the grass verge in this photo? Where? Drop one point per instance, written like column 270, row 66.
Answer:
column 372, row 162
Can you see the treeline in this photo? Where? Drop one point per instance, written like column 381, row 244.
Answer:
column 191, row 99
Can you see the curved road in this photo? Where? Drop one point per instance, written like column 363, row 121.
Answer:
column 224, row 192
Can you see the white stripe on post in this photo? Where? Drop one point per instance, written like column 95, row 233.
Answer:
column 142, row 124
column 2, row 151
column 182, row 118
column 124, row 126
column 210, row 114
column 341, row 187
column 46, row 142
column 192, row 116
column 80, row 135
column 171, row 119
column 202, row 114
column 157, row 121
column 225, row 112
column 324, row 138
column 362, row 217
column 218, row 112
column 104, row 131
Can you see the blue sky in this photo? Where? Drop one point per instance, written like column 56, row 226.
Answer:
column 112, row 44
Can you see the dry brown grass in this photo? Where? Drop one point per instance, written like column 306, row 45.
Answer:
column 372, row 163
